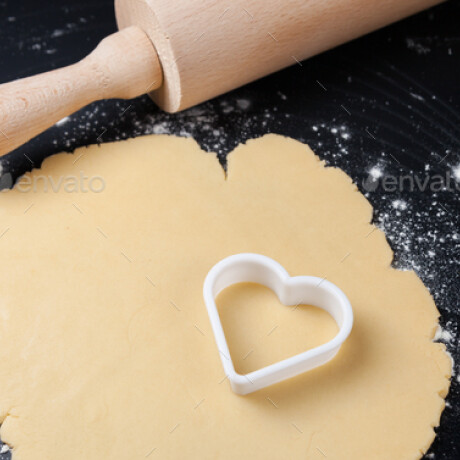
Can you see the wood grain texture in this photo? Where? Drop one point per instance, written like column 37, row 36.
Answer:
column 124, row 65
column 209, row 47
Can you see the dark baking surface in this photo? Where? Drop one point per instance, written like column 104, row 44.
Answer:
column 388, row 103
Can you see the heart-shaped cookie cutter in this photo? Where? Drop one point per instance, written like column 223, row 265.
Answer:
column 291, row 291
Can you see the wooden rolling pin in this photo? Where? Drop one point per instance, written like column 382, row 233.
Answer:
column 187, row 51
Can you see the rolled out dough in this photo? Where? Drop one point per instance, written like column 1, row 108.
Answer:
column 106, row 350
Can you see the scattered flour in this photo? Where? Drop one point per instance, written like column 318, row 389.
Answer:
column 376, row 172
column 456, row 172
column 443, row 335
column 417, row 46
column 399, row 204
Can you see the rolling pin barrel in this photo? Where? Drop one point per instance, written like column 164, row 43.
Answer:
column 209, row 47
column 187, row 52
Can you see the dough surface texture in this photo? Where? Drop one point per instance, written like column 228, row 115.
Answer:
column 105, row 345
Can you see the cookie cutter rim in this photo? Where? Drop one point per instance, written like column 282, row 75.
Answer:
column 291, row 291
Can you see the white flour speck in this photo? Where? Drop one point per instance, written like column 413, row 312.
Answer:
column 456, row 172
column 282, row 95
column 57, row 33
column 399, row 204
column 243, row 104
column 417, row 96
column 376, row 172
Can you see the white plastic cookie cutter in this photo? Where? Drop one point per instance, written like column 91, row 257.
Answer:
column 291, row 291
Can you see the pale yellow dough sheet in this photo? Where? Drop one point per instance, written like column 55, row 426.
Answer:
column 106, row 350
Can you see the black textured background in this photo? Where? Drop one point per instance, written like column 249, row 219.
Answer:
column 387, row 102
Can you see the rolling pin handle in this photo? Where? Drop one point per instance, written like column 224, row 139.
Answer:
column 124, row 65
